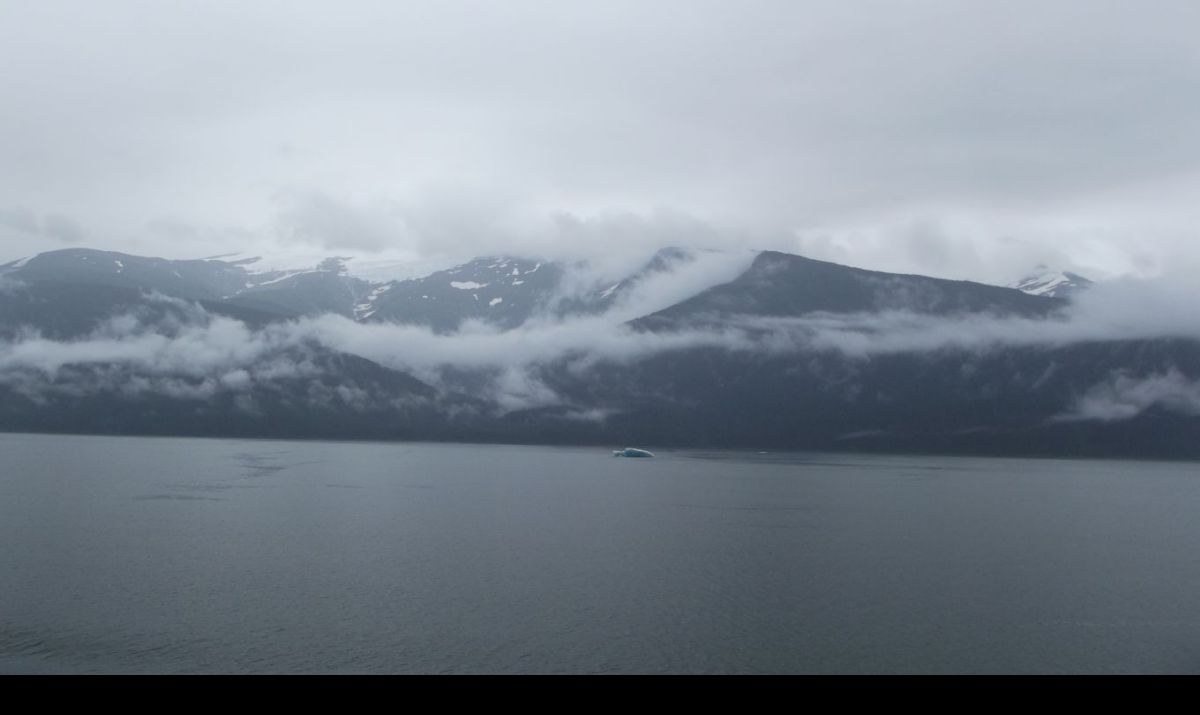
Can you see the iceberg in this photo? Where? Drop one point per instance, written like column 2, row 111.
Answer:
column 632, row 452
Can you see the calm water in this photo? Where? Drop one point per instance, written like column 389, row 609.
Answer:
column 198, row 556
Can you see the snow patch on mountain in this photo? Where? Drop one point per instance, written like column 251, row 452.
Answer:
column 279, row 279
column 374, row 268
column 367, row 308
column 16, row 264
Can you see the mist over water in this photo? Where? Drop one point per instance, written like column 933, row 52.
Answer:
column 201, row 556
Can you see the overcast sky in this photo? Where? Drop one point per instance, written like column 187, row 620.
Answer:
column 957, row 138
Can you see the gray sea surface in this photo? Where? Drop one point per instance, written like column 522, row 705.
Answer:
column 151, row 555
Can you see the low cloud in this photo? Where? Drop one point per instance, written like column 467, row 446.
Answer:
column 645, row 284
column 183, row 352
column 188, row 353
column 192, row 350
column 9, row 285
column 1129, row 309
column 1124, row 396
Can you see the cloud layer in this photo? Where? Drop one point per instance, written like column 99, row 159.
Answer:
column 962, row 139
column 1124, row 396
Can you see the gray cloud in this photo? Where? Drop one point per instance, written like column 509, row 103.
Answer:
column 318, row 219
column 217, row 346
column 62, row 228
column 1124, row 396
column 53, row 227
column 20, row 219
column 926, row 135
column 465, row 223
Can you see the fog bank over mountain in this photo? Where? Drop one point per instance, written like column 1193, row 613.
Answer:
column 198, row 343
column 733, row 346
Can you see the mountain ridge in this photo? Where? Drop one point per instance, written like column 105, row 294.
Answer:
column 771, row 351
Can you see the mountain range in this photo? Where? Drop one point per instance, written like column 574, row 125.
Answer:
column 762, row 350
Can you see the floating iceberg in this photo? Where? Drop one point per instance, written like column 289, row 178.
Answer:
column 632, row 452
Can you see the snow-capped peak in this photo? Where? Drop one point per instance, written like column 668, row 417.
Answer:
column 1052, row 284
